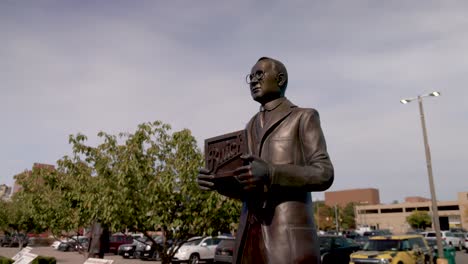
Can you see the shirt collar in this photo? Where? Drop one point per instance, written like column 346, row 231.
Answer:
column 272, row 104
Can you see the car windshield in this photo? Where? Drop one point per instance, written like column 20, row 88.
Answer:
column 325, row 241
column 192, row 242
column 385, row 245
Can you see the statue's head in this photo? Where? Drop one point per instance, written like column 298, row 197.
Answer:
column 268, row 80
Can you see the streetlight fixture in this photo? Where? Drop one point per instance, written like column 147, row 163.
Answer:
column 435, row 212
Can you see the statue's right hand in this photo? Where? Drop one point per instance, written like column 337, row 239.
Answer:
column 205, row 180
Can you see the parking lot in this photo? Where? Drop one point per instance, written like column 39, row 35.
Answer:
column 70, row 257
column 75, row 258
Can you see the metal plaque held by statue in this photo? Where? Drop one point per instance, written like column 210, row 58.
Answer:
column 222, row 157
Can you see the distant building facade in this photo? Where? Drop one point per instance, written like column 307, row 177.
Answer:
column 368, row 196
column 5, row 192
column 452, row 214
column 416, row 199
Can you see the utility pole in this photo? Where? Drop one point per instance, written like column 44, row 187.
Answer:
column 336, row 219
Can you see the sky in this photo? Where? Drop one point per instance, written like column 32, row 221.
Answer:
column 70, row 67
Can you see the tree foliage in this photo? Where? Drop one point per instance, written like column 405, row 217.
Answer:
column 325, row 216
column 146, row 181
column 348, row 218
column 419, row 219
column 142, row 181
column 55, row 199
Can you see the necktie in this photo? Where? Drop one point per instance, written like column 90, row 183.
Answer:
column 262, row 117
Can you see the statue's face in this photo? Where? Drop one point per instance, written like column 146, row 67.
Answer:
column 263, row 82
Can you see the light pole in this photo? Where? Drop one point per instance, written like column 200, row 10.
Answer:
column 336, row 220
column 435, row 212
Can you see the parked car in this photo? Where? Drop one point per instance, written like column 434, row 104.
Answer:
column 448, row 249
column 225, row 250
column 378, row 232
column 408, row 249
column 14, row 240
column 350, row 234
column 5, row 240
column 336, row 249
column 448, row 236
column 118, row 239
column 198, row 249
column 462, row 237
column 148, row 250
column 75, row 243
column 361, row 241
column 466, row 242
column 129, row 250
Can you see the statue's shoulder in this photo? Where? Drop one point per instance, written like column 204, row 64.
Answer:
column 306, row 112
column 252, row 119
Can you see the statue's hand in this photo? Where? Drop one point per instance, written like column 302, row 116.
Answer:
column 205, row 180
column 254, row 175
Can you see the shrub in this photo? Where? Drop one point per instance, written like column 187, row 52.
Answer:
column 44, row 260
column 4, row 260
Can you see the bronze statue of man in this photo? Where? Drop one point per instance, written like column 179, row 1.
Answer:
column 288, row 159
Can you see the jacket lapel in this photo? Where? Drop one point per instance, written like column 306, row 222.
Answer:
column 275, row 117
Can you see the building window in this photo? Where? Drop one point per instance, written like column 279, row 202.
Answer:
column 410, row 209
column 391, row 210
column 448, row 208
column 370, row 211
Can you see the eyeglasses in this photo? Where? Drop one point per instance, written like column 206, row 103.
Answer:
column 259, row 75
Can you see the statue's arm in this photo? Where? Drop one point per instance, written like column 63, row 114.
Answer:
column 229, row 193
column 317, row 174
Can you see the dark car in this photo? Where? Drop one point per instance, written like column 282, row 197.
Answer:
column 148, row 251
column 224, row 251
column 336, row 249
column 75, row 243
column 14, row 240
column 361, row 241
column 116, row 240
column 381, row 232
column 5, row 241
column 129, row 250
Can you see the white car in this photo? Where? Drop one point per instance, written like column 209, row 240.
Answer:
column 464, row 237
column 198, row 249
column 448, row 237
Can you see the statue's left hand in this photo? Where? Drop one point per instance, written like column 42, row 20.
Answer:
column 253, row 175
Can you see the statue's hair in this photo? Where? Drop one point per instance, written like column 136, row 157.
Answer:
column 278, row 67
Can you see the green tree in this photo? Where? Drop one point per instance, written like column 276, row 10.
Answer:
column 324, row 216
column 348, row 219
column 3, row 215
column 419, row 219
column 19, row 217
column 56, row 197
column 146, row 181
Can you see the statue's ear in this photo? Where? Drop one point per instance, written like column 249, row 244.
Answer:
column 281, row 79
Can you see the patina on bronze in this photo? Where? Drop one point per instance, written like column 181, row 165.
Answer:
column 287, row 160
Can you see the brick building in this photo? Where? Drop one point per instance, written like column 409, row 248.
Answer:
column 393, row 216
column 358, row 196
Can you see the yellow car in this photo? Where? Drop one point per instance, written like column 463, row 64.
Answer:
column 405, row 249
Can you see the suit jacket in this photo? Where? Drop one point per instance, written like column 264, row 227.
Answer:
column 281, row 219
